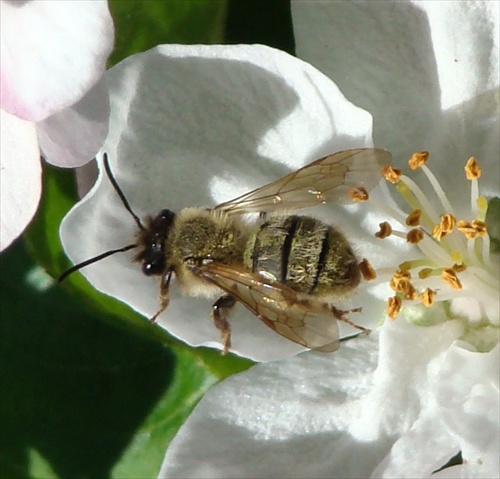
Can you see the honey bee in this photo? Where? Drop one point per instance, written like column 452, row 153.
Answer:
column 287, row 269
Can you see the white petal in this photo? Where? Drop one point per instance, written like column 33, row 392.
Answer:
column 73, row 137
column 21, row 182
column 59, row 55
column 469, row 404
column 338, row 415
column 184, row 121
column 427, row 71
column 284, row 419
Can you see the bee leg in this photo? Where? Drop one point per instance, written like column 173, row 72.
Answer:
column 341, row 316
column 164, row 294
column 220, row 312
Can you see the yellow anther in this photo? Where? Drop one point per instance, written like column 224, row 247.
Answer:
column 472, row 169
column 391, row 174
column 427, row 297
column 418, row 159
column 458, row 268
column 367, row 270
column 414, row 236
column 437, row 233
column 384, row 231
column 399, row 277
column 473, row 229
column 358, row 194
column 449, row 276
column 480, row 227
column 409, row 291
column 393, row 306
column 413, row 219
column 446, row 225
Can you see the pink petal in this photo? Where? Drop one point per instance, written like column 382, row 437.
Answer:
column 21, row 183
column 73, row 136
column 51, row 54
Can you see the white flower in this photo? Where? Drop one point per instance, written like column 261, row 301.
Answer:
column 52, row 56
column 194, row 126
column 404, row 401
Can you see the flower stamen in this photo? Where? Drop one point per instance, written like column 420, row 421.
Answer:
column 456, row 261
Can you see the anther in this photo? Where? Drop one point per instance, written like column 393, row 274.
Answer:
column 458, row 268
column 418, row 159
column 472, row 169
column 384, row 231
column 449, row 276
column 427, row 297
column 414, row 236
column 413, row 219
column 472, row 230
column 445, row 226
column 399, row 277
column 358, row 194
column 393, row 306
column 367, row 270
column 391, row 174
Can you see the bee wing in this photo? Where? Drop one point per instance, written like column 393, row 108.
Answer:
column 325, row 180
column 305, row 322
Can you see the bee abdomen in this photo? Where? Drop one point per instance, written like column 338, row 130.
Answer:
column 303, row 253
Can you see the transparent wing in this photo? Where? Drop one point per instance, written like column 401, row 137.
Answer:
column 305, row 322
column 326, row 180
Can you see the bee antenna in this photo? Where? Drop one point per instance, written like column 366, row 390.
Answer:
column 81, row 265
column 120, row 192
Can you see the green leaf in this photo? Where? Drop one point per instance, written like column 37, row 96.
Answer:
column 80, row 397
column 493, row 222
column 143, row 24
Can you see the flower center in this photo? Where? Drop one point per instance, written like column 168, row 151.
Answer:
column 452, row 255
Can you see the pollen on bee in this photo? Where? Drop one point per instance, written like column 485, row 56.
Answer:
column 392, row 175
column 472, row 169
column 414, row 236
column 413, row 219
column 393, row 306
column 384, row 231
column 449, row 276
column 418, row 159
column 367, row 270
column 358, row 194
column 427, row 297
column 472, row 230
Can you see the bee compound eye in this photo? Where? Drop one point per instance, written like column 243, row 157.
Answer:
column 154, row 266
column 164, row 219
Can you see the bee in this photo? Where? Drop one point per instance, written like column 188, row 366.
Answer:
column 287, row 269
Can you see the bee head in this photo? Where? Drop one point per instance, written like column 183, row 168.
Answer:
column 151, row 241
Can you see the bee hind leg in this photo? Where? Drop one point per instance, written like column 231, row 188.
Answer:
column 220, row 312
column 341, row 316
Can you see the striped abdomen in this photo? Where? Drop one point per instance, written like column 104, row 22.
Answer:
column 303, row 253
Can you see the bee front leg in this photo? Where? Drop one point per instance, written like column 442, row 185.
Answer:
column 220, row 312
column 164, row 297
